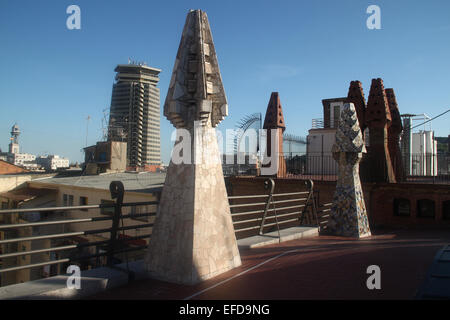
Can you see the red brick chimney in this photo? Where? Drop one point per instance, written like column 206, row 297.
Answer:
column 274, row 120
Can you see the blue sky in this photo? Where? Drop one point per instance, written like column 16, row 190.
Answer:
column 52, row 78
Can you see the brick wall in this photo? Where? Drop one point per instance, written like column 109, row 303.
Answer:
column 8, row 168
column 384, row 196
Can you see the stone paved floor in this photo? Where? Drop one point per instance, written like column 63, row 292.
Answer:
column 322, row 267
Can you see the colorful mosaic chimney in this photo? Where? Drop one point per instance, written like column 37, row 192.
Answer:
column 274, row 120
column 193, row 237
column 348, row 215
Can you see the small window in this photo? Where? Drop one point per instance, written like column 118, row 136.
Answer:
column 45, row 214
column 102, row 156
column 108, row 210
column 446, row 210
column 65, row 197
column 4, row 205
column 337, row 115
column 425, row 208
column 402, row 207
column 84, row 202
column 70, row 200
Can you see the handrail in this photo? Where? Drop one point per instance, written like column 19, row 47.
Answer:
column 68, row 208
column 310, row 184
column 247, row 204
column 323, row 213
column 268, row 224
column 266, row 195
column 34, row 265
column 290, row 193
column 282, row 205
column 267, row 218
column 65, row 208
column 269, row 199
column 117, row 193
column 25, row 253
column 247, row 196
column 262, row 211
column 47, row 223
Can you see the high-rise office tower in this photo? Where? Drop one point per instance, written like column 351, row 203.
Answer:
column 134, row 114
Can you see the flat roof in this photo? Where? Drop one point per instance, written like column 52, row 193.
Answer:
column 26, row 193
column 146, row 182
column 334, row 99
column 134, row 66
column 32, row 174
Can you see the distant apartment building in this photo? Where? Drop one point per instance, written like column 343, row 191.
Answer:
column 419, row 151
column 424, row 154
column 105, row 157
column 321, row 138
column 22, row 159
column 135, row 114
column 52, row 162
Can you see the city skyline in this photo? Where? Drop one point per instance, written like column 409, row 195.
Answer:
column 361, row 212
column 306, row 52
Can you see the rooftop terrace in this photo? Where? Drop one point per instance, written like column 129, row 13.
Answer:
column 133, row 181
column 321, row 267
column 406, row 248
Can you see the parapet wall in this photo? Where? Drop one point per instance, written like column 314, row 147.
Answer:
column 410, row 204
column 388, row 204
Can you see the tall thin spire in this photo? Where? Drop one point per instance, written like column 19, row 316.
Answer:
column 196, row 91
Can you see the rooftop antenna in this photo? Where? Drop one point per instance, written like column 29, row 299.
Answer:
column 87, row 128
column 105, row 124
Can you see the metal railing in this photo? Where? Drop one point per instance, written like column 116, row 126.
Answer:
column 114, row 244
column 416, row 167
column 323, row 214
column 420, row 168
column 311, row 166
column 261, row 213
column 427, row 168
column 251, row 214
column 317, row 123
column 320, row 123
